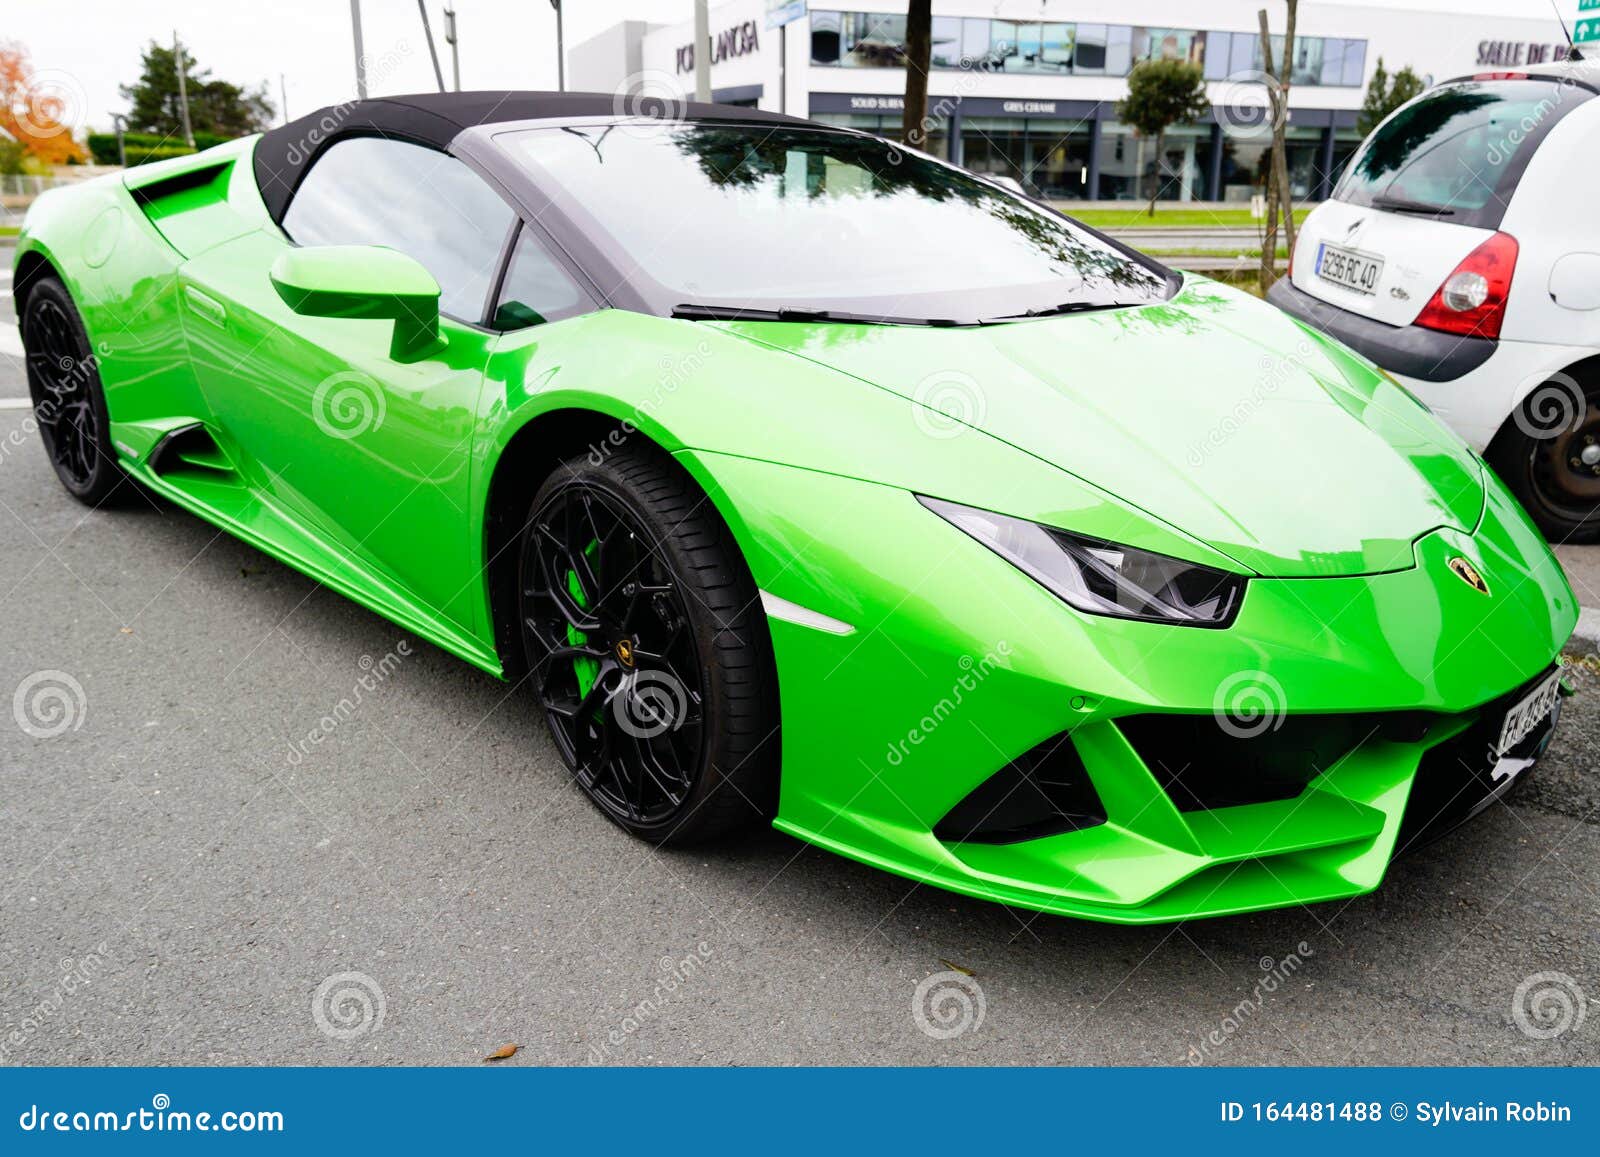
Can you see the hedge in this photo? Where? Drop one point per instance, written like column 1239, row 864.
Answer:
column 147, row 146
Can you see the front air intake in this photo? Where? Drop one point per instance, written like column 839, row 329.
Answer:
column 1044, row 792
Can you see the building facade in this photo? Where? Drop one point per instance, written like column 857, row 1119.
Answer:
column 1028, row 88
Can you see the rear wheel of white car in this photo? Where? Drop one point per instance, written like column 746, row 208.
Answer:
column 1549, row 455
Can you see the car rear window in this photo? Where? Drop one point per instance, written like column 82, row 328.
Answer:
column 1457, row 152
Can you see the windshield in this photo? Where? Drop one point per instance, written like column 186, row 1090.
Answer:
column 1458, row 151
column 771, row 217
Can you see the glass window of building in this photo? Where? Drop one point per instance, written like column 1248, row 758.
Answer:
column 825, row 38
column 1355, row 62
column 1307, row 67
column 974, row 44
column 1056, row 45
column 1243, row 54
column 1130, row 169
column 947, row 44
column 1119, row 50
column 1166, row 44
column 1216, row 55
column 871, row 40
column 1089, row 56
column 1332, row 62
column 1049, row 158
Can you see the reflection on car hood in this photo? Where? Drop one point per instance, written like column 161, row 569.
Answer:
column 1213, row 412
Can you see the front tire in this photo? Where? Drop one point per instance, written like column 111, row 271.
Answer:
column 68, row 398
column 648, row 648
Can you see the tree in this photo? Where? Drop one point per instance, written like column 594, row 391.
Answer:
column 1385, row 94
column 919, row 54
column 32, row 113
column 215, row 106
column 1161, row 94
column 1278, row 192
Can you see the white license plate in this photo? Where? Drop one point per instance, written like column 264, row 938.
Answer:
column 1346, row 267
column 1525, row 718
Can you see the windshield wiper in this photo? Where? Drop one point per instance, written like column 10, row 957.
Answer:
column 1058, row 310
column 691, row 312
column 1403, row 205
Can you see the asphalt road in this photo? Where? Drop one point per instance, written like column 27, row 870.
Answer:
column 179, row 884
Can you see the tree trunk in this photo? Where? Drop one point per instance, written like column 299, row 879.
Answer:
column 1276, row 168
column 919, row 52
column 1155, row 191
column 1286, row 78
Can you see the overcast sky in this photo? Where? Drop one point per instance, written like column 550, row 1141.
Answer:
column 86, row 48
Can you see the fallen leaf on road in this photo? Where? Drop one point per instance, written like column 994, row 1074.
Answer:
column 953, row 967
column 501, row 1054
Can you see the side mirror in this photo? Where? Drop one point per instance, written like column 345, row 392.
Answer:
column 364, row 282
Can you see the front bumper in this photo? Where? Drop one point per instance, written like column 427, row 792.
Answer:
column 958, row 664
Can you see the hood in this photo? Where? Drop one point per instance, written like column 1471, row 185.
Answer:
column 1213, row 413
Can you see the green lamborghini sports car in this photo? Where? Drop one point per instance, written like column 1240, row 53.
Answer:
column 798, row 476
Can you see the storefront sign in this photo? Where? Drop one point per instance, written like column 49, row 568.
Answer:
column 877, row 104
column 1514, row 53
column 740, row 40
column 1033, row 107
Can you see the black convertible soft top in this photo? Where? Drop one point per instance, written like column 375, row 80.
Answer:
column 285, row 153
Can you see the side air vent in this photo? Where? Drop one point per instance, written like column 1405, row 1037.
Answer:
column 1042, row 793
column 191, row 449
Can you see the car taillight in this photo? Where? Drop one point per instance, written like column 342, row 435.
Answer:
column 1472, row 300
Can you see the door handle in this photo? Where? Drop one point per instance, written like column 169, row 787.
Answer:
column 205, row 306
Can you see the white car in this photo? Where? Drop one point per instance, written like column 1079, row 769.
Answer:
column 1461, row 253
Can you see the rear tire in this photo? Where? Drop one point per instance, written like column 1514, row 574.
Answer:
column 1548, row 453
column 648, row 648
column 68, row 398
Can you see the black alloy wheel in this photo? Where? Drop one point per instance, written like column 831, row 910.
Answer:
column 648, row 649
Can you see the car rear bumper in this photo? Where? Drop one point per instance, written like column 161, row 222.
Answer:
column 1409, row 351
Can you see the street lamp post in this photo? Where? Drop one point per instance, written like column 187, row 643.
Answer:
column 561, row 51
column 361, row 53
column 450, row 39
column 119, row 122
column 183, row 88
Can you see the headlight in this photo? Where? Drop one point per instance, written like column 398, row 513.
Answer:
column 1102, row 578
